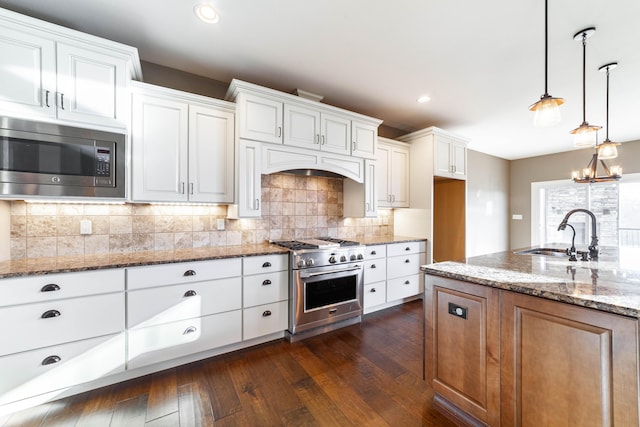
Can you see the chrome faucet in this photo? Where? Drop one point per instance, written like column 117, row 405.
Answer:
column 593, row 246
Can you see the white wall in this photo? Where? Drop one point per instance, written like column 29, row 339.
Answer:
column 487, row 204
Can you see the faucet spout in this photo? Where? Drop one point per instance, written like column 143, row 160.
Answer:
column 593, row 246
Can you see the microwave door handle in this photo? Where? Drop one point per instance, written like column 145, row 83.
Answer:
column 321, row 273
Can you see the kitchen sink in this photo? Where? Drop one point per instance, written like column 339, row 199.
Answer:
column 544, row 251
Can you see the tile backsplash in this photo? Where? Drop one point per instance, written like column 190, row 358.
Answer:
column 293, row 206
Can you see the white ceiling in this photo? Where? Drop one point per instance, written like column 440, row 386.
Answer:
column 482, row 63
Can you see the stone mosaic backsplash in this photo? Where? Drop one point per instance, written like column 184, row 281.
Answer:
column 293, row 206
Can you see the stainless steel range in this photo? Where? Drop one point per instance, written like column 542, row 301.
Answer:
column 325, row 285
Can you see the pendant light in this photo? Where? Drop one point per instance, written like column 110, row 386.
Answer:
column 608, row 150
column 547, row 108
column 585, row 134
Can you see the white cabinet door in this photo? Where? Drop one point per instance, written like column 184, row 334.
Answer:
column 91, row 86
column 442, row 156
column 370, row 189
column 260, row 118
column 383, row 175
column 27, row 73
column 160, row 149
column 211, row 157
column 301, row 127
column 459, row 160
column 399, row 178
column 364, row 138
column 249, row 179
column 335, row 134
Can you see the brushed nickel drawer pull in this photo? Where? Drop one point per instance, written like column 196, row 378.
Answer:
column 374, row 253
column 46, row 99
column 266, row 313
column 51, row 287
column 189, row 273
column 50, row 360
column 190, row 330
column 407, row 261
column 190, row 293
column 266, row 282
column 373, row 266
column 407, row 248
column 50, row 313
column 266, row 265
column 406, row 282
column 373, row 290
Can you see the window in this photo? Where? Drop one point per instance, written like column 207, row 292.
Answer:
column 615, row 205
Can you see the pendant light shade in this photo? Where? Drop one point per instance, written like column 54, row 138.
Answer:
column 608, row 149
column 584, row 135
column 547, row 108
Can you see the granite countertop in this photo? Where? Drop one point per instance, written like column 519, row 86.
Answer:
column 612, row 283
column 383, row 240
column 35, row 266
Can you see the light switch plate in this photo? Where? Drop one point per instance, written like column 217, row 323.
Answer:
column 220, row 223
column 517, row 216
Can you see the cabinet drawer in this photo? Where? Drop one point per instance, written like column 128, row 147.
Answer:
column 176, row 339
column 153, row 306
column 374, row 294
column 266, row 288
column 375, row 270
column 46, row 369
column 265, row 319
column 403, row 287
column 374, row 252
column 403, row 265
column 24, row 290
column 24, row 327
column 183, row 272
column 397, row 249
column 265, row 263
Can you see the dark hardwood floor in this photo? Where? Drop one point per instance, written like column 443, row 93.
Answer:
column 367, row 374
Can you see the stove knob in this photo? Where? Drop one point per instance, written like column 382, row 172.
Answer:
column 301, row 263
column 360, row 257
column 310, row 262
column 352, row 257
column 332, row 259
column 343, row 258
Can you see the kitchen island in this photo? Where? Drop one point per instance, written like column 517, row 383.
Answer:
column 527, row 339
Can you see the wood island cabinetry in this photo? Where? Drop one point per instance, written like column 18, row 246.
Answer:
column 508, row 359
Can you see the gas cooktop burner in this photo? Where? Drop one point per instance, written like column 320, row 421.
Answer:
column 315, row 243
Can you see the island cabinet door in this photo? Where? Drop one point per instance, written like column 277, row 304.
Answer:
column 564, row 365
column 462, row 348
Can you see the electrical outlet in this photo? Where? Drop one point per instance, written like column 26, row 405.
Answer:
column 220, row 223
column 85, row 226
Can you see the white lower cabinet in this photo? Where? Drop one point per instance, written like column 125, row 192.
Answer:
column 172, row 340
column 53, row 368
column 392, row 274
column 60, row 330
column 266, row 295
column 175, row 310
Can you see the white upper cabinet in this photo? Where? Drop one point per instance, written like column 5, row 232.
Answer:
column 450, row 157
column 259, row 118
column 302, row 127
column 364, row 137
column 54, row 73
column 335, row 134
column 249, row 181
column 392, row 177
column 182, row 147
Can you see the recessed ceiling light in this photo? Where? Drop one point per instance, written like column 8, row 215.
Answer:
column 206, row 13
column 423, row 99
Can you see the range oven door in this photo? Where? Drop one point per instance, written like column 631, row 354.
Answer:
column 325, row 295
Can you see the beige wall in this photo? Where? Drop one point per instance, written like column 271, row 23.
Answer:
column 487, row 204
column 553, row 167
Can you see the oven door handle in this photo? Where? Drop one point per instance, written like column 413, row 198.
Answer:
column 321, row 273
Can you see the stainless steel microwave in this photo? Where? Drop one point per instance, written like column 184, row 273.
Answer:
column 48, row 160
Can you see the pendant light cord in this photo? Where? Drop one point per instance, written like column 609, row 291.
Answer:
column 584, row 78
column 546, row 47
